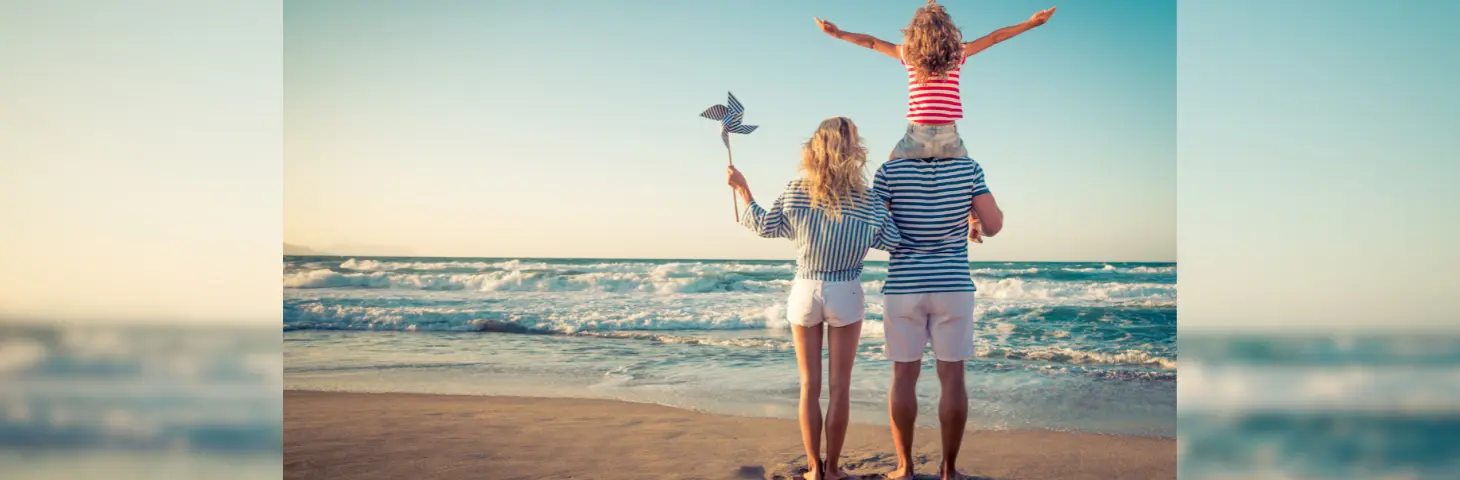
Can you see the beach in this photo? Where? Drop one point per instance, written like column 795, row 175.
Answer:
column 402, row 435
column 614, row 368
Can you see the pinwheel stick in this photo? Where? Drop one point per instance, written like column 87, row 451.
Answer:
column 734, row 199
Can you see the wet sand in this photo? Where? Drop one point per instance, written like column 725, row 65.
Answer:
column 331, row 435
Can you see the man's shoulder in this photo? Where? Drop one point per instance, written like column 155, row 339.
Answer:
column 898, row 163
column 911, row 163
column 964, row 162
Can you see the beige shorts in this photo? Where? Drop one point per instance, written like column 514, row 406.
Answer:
column 911, row 321
column 930, row 141
column 814, row 301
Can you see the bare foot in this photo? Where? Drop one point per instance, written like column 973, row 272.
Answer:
column 954, row 475
column 812, row 474
column 900, row 475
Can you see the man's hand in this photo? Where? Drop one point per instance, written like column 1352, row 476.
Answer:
column 1038, row 18
column 975, row 231
column 828, row 27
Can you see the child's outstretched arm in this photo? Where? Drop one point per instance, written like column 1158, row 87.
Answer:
column 880, row 45
column 1006, row 33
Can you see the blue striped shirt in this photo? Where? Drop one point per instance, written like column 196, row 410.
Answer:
column 826, row 248
column 930, row 199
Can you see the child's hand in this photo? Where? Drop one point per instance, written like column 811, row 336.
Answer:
column 828, row 27
column 1040, row 17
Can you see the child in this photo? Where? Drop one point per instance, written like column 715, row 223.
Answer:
column 933, row 53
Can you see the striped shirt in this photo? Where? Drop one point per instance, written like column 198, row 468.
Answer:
column 935, row 101
column 826, row 249
column 931, row 199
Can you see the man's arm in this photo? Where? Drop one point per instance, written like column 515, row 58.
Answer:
column 989, row 215
column 868, row 41
column 1006, row 33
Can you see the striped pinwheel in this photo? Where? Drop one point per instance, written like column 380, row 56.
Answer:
column 729, row 118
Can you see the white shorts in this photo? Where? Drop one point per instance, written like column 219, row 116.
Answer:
column 814, row 301
column 911, row 321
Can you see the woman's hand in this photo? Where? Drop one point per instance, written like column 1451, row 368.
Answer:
column 828, row 27
column 736, row 180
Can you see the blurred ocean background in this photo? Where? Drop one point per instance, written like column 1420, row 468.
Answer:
column 1062, row 346
column 99, row 401
column 1320, row 406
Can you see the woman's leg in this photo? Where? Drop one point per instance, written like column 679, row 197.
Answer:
column 842, row 343
column 808, row 358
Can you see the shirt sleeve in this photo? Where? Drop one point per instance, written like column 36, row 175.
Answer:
column 767, row 223
column 879, row 184
column 980, row 187
column 888, row 236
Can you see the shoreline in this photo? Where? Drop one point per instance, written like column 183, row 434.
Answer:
column 394, row 435
column 731, row 414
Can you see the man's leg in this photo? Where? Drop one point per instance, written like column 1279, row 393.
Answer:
column 951, row 332
column 952, row 414
column 905, row 326
column 902, row 407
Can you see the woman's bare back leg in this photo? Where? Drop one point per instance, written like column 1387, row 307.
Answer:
column 842, row 343
column 808, row 358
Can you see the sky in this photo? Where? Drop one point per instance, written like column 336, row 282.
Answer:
column 141, row 178
column 1317, row 161
column 570, row 129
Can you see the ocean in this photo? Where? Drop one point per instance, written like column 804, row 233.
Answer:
column 1060, row 346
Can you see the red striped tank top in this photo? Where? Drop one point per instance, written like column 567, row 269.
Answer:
column 936, row 101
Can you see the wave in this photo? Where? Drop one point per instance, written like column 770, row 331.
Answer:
column 1112, row 323
column 679, row 280
column 662, row 281
column 782, row 270
column 997, row 340
column 318, row 316
column 370, row 265
column 1057, row 355
column 1077, row 357
column 1159, row 294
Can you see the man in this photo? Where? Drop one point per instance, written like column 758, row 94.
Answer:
column 928, row 296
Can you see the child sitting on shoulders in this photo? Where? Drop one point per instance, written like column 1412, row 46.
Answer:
column 933, row 54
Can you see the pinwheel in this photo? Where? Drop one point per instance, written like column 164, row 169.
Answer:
column 730, row 117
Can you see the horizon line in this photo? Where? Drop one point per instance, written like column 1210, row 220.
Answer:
column 684, row 258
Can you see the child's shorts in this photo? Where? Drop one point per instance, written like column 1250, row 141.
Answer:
column 930, row 141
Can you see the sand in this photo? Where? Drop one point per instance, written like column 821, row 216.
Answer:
column 399, row 436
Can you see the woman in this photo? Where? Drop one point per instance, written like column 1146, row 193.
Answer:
column 833, row 219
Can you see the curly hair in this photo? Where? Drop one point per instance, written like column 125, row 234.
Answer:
column 931, row 43
column 834, row 163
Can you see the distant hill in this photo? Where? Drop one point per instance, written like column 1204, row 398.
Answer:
column 291, row 249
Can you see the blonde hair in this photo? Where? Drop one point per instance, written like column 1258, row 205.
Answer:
column 834, row 162
column 931, row 43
